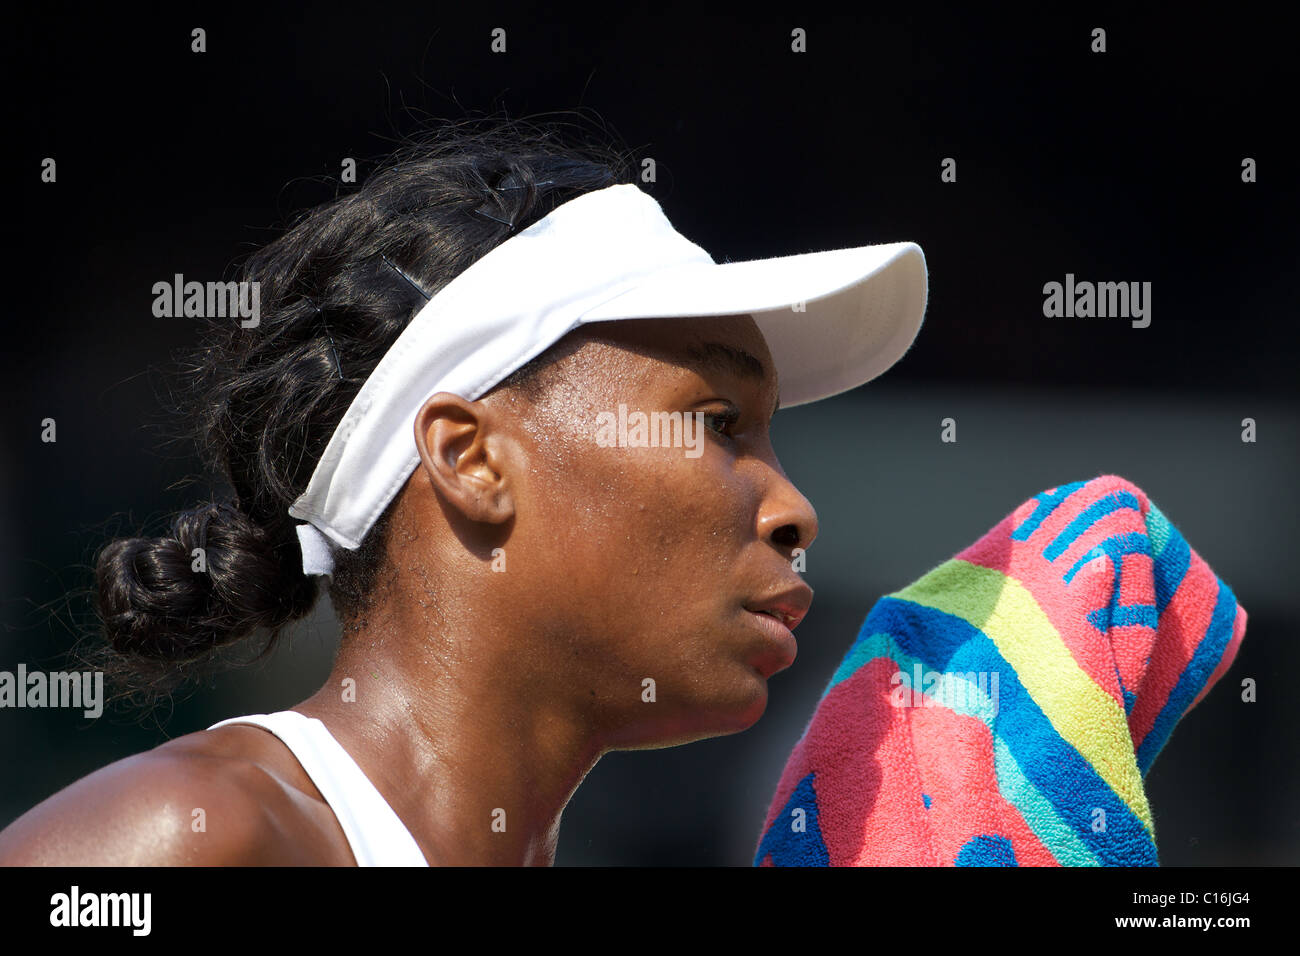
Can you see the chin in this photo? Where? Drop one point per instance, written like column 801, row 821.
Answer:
column 744, row 711
column 716, row 717
column 727, row 706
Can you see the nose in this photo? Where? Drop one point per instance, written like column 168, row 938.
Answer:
column 786, row 518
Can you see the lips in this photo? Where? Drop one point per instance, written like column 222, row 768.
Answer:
column 788, row 606
column 785, row 617
column 778, row 648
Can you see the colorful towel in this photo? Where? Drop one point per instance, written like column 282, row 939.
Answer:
column 1004, row 709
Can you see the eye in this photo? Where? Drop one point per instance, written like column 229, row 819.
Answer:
column 726, row 420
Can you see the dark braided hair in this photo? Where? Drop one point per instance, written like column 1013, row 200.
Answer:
column 335, row 292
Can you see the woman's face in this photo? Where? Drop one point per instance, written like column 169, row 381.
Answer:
column 642, row 563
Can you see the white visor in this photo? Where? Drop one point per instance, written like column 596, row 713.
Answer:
column 832, row 321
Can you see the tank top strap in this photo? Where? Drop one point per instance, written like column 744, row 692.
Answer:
column 376, row 834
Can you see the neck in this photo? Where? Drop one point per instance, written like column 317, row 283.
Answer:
column 461, row 733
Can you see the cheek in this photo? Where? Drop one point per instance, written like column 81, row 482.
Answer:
column 665, row 516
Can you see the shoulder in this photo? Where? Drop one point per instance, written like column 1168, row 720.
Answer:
column 205, row 799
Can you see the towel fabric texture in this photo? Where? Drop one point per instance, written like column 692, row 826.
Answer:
column 1004, row 709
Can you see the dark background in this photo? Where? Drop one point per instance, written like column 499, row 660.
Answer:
column 1122, row 166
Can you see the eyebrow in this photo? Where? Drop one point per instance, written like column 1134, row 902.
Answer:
column 729, row 359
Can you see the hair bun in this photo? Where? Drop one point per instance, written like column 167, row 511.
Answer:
column 213, row 580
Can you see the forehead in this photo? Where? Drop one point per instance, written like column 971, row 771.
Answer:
column 731, row 344
column 598, row 362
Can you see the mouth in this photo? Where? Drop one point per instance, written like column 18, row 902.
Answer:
column 787, row 619
column 788, row 607
column 777, row 617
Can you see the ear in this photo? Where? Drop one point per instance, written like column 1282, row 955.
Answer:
column 465, row 458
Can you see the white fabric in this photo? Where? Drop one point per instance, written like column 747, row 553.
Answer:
column 832, row 320
column 375, row 833
column 317, row 552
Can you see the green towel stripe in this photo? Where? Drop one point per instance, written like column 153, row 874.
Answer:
column 1158, row 530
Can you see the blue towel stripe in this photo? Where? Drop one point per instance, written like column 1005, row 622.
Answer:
column 1114, row 548
column 1170, row 566
column 987, row 850
column 1048, row 501
column 1089, row 516
column 1194, row 676
column 789, row 847
column 1115, row 614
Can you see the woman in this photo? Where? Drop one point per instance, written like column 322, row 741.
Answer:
column 524, row 424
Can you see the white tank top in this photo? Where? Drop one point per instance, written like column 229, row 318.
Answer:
column 375, row 833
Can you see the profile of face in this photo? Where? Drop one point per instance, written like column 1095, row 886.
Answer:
column 634, row 573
